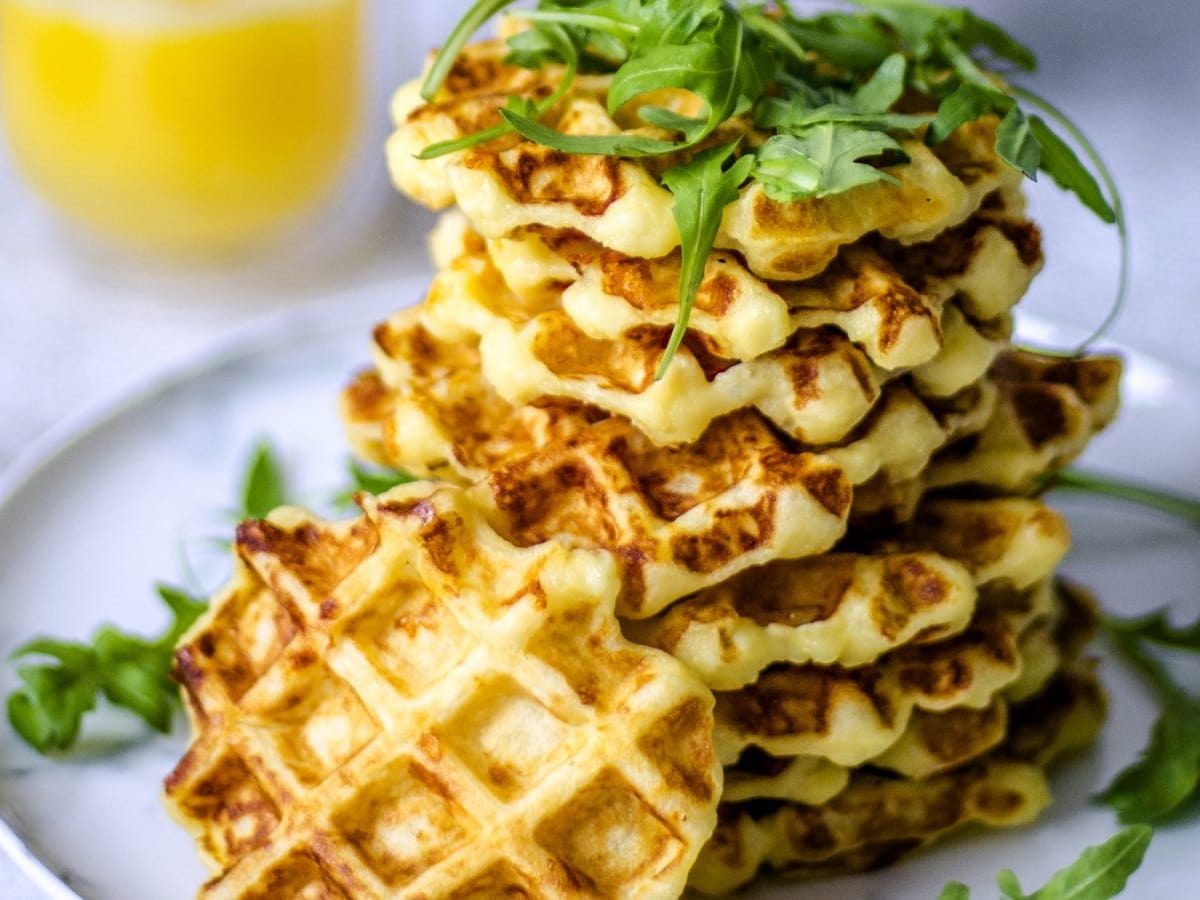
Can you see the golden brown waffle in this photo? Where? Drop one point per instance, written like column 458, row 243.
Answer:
column 436, row 415
column 985, row 265
column 1014, row 540
column 408, row 705
column 873, row 810
column 1047, row 412
column 510, row 183
column 877, row 818
column 834, row 609
column 816, row 387
column 851, row 715
column 849, row 609
column 677, row 520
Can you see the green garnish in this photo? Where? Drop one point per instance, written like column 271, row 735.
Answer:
column 824, row 89
column 130, row 671
column 370, row 480
column 1167, row 775
column 263, row 488
column 1099, row 873
column 702, row 188
column 1185, row 508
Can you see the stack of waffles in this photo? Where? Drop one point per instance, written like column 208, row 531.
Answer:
column 791, row 607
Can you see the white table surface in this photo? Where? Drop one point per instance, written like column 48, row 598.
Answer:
column 79, row 322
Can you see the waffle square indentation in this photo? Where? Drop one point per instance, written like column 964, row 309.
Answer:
column 408, row 635
column 236, row 812
column 506, row 737
column 298, row 875
column 403, row 822
column 314, row 718
column 608, row 835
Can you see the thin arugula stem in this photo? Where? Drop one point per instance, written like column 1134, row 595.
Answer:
column 582, row 20
column 1153, row 671
column 506, row 127
column 1114, row 200
column 1185, row 508
column 476, row 16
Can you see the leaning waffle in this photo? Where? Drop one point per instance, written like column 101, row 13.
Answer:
column 877, row 818
column 509, row 184
column 848, row 609
column 851, row 715
column 407, row 705
column 986, row 266
column 816, row 387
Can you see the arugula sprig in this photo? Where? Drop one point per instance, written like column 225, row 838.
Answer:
column 1166, row 777
column 1100, row 873
column 129, row 671
column 825, row 89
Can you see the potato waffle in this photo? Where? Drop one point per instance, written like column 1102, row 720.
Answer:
column 427, row 409
column 408, row 705
column 986, row 265
column 510, row 183
column 847, row 608
column 876, row 818
column 816, row 387
column 851, row 715
column 1048, row 411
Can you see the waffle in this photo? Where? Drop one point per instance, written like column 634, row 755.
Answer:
column 816, row 387
column 847, row 608
column 986, row 265
column 875, row 819
column 407, row 705
column 427, row 409
column 835, row 609
column 1048, row 411
column 850, row 716
column 510, row 184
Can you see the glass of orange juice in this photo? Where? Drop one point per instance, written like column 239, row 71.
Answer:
column 186, row 126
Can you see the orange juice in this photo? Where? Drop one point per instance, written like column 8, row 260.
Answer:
column 185, row 125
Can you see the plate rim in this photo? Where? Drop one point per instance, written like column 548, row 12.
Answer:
column 333, row 312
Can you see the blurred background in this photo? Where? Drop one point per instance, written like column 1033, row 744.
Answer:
column 297, row 139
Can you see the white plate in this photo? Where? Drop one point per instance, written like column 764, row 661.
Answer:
column 94, row 517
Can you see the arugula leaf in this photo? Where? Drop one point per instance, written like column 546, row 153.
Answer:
column 884, row 87
column 821, row 160
column 1184, row 508
column 964, row 104
column 1167, row 774
column 372, row 481
column 1060, row 163
column 702, row 189
column 1100, row 873
column 1157, row 628
column 263, row 488
column 1017, row 145
column 955, row 890
column 131, row 672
